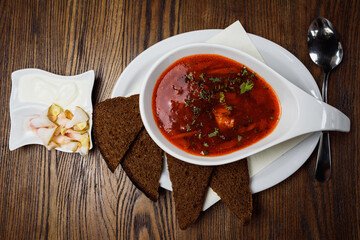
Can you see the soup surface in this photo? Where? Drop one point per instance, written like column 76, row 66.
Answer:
column 211, row 105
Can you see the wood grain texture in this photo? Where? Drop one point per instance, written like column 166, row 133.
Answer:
column 54, row 195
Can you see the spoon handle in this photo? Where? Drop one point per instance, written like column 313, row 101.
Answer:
column 325, row 86
column 323, row 163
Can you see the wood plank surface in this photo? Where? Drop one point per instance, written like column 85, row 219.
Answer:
column 54, row 195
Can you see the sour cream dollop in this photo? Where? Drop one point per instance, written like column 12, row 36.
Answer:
column 37, row 88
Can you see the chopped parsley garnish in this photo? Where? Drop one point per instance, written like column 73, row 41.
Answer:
column 215, row 133
column 239, row 138
column 252, row 75
column 196, row 109
column 187, row 102
column 222, row 96
column 228, row 107
column 188, row 127
column 222, row 137
column 245, row 72
column 204, row 152
column 246, row 86
column 201, row 95
column 202, row 76
column 206, row 145
column 193, row 122
column 214, row 80
column 189, row 77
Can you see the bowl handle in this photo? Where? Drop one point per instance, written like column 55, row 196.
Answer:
column 333, row 119
column 316, row 115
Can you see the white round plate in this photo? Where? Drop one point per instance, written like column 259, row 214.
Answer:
column 276, row 57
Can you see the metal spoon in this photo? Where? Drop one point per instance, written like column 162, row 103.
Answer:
column 326, row 51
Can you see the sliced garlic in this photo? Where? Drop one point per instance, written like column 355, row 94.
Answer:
column 68, row 114
column 41, row 121
column 81, row 126
column 62, row 129
column 85, row 144
column 46, row 134
column 53, row 112
column 79, row 116
column 52, row 145
column 71, row 146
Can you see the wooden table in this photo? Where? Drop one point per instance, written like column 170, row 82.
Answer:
column 50, row 194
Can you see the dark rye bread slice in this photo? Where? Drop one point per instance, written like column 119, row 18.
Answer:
column 117, row 122
column 189, row 183
column 231, row 183
column 143, row 165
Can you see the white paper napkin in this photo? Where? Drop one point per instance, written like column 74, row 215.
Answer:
column 235, row 36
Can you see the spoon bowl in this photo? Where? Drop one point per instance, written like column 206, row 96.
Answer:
column 324, row 44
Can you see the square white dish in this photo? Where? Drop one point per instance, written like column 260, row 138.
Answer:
column 67, row 91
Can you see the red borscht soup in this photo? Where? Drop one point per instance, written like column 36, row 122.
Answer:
column 211, row 105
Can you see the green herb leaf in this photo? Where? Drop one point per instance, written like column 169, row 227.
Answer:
column 214, row 79
column 215, row 133
column 202, row 76
column 196, row 109
column 193, row 122
column 222, row 96
column 188, row 127
column 252, row 75
column 187, row 102
column 189, row 77
column 201, row 95
column 222, row 137
column 239, row 138
column 204, row 152
column 206, row 145
column 246, row 86
column 245, row 72
column 228, row 107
